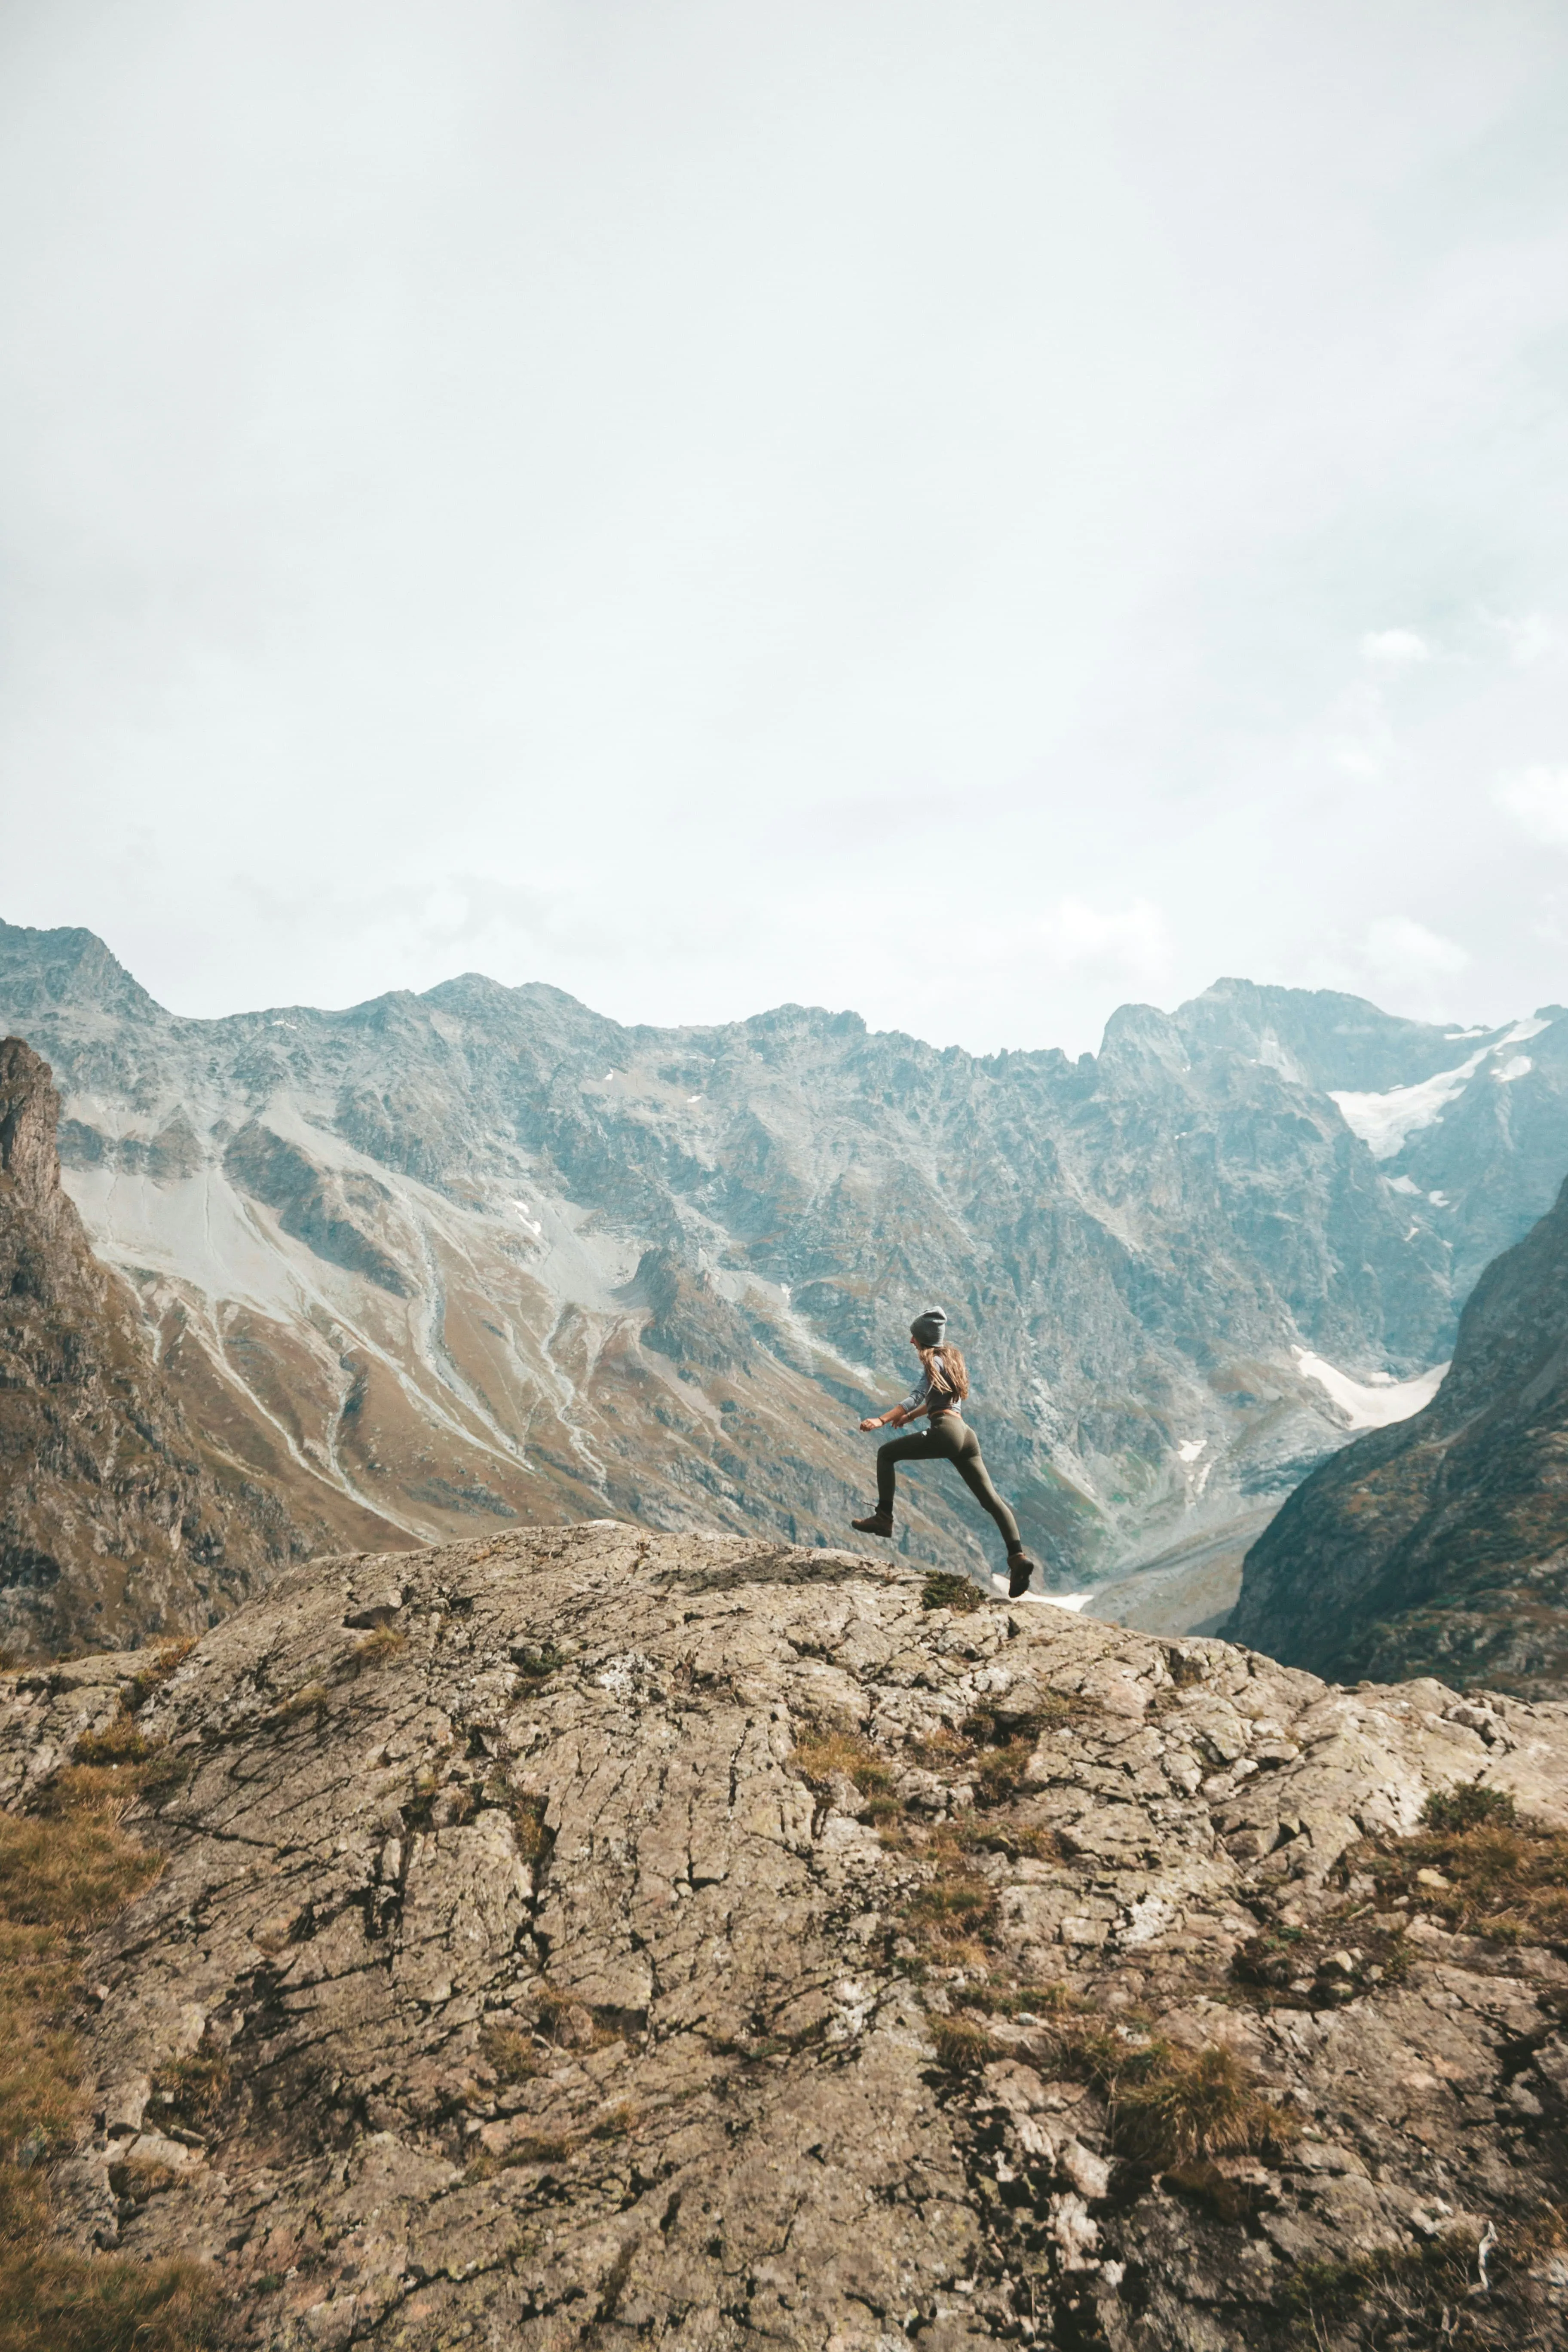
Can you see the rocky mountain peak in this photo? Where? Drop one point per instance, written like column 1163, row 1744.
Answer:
column 68, row 969
column 1137, row 1034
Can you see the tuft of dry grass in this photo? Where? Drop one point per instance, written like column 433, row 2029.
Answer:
column 620, row 2123
column 963, row 2047
column 313, row 1698
column 953, row 1913
column 1169, row 2105
column 538, row 2147
column 568, row 2022
column 383, row 1642
column 994, row 1751
column 119, row 1742
column 1438, row 2290
column 509, row 2055
column 190, row 2089
column 1001, row 1999
column 534, row 1840
column 141, row 2176
column 157, row 1671
column 1478, row 1865
column 821, row 1755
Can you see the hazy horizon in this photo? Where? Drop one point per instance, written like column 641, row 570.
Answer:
column 971, row 516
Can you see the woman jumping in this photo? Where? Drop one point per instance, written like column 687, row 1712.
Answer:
column 943, row 1388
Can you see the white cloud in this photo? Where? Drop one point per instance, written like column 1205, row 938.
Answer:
column 1537, row 798
column 1131, row 945
column 1394, row 646
column 1400, row 951
column 712, row 506
column 1530, row 637
column 1133, row 936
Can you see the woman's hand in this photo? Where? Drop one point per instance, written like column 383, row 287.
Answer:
column 871, row 1424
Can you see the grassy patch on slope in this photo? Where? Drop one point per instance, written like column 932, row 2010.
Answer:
column 65, row 1871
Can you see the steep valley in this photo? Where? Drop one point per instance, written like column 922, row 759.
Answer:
column 1440, row 1545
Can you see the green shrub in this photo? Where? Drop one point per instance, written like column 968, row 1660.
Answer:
column 942, row 1591
column 1467, row 1806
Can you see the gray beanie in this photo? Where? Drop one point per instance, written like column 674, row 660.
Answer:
column 927, row 1329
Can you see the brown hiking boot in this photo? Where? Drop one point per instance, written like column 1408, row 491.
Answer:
column 1020, row 1569
column 880, row 1523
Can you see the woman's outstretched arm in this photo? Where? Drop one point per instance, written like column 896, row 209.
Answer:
column 911, row 1408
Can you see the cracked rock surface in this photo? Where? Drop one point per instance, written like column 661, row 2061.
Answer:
column 539, row 1994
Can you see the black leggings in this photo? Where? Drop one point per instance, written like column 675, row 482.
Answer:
column 947, row 1440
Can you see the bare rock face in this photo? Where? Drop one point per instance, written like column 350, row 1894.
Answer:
column 572, row 1938
column 115, row 1524
column 1441, row 1545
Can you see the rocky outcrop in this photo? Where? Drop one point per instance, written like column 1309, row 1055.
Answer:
column 597, row 1938
column 116, row 1523
column 1441, row 1545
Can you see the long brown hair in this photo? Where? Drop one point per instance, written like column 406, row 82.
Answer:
column 947, row 1370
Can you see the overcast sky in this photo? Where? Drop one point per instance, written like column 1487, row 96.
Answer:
column 970, row 509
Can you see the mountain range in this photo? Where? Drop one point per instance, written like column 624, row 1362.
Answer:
column 481, row 1257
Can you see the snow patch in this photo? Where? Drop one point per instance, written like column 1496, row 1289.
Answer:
column 1190, row 1448
column 1522, row 1033
column 1073, row 1601
column 1519, row 1066
column 1376, row 1403
column 1439, row 1200
column 1402, row 1184
column 1384, row 1122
